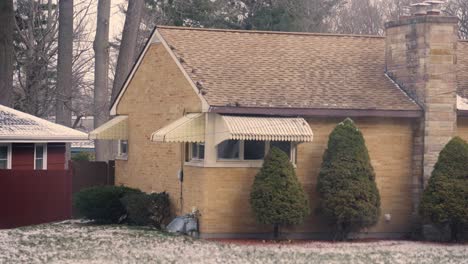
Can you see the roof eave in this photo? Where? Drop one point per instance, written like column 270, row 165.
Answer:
column 321, row 112
column 26, row 139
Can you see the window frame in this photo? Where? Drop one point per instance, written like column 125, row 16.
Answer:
column 191, row 158
column 9, row 153
column 120, row 154
column 44, row 156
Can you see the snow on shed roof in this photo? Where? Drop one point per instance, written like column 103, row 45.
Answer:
column 17, row 126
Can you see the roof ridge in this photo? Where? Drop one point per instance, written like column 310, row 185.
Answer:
column 269, row 32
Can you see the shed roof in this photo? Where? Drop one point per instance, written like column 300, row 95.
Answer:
column 287, row 70
column 17, row 126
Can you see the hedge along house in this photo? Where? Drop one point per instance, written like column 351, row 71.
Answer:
column 31, row 143
column 211, row 102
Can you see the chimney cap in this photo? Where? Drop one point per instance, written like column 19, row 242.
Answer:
column 420, row 9
column 434, row 9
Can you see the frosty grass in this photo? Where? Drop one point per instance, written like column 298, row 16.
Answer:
column 76, row 242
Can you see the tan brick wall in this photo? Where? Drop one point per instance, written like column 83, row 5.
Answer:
column 157, row 95
column 226, row 191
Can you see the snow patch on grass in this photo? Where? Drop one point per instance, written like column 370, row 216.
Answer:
column 82, row 242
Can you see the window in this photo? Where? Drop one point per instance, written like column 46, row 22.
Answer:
column 197, row 151
column 40, row 156
column 252, row 149
column 123, row 148
column 5, row 156
column 229, row 149
column 283, row 145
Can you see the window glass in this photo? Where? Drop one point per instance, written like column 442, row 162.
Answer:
column 201, row 150
column 3, row 157
column 194, row 150
column 3, row 152
column 39, row 164
column 254, row 150
column 229, row 149
column 283, row 145
column 3, row 164
column 39, row 152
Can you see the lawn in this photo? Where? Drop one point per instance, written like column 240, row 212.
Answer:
column 73, row 242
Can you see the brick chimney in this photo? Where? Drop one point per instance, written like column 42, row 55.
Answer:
column 421, row 58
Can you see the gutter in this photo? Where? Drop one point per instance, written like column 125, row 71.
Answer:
column 316, row 112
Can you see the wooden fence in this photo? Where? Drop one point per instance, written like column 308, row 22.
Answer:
column 91, row 173
column 33, row 197
column 29, row 197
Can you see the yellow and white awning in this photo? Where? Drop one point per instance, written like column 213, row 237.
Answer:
column 262, row 128
column 114, row 129
column 189, row 128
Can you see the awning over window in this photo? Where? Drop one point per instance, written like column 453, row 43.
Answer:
column 116, row 128
column 263, row 128
column 189, row 128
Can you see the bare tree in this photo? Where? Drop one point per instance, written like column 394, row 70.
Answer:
column 35, row 42
column 128, row 45
column 6, row 51
column 459, row 8
column 359, row 17
column 101, row 77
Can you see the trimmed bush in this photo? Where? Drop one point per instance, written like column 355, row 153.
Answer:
column 445, row 200
column 277, row 197
column 83, row 156
column 147, row 209
column 102, row 203
column 348, row 196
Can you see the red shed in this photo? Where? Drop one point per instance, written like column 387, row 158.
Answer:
column 31, row 143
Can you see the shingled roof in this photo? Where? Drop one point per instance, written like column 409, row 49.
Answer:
column 287, row 70
column 16, row 126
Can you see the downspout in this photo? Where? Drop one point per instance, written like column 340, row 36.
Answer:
column 181, row 173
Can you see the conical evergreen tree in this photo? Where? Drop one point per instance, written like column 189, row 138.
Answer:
column 277, row 197
column 445, row 199
column 348, row 195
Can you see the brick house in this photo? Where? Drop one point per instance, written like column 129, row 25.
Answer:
column 30, row 143
column 209, row 103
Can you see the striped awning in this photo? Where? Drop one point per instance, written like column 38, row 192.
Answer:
column 189, row 128
column 114, row 129
column 263, row 128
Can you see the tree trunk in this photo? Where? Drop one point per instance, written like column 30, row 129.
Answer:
column 128, row 44
column 64, row 63
column 6, row 51
column 63, row 104
column 101, row 76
